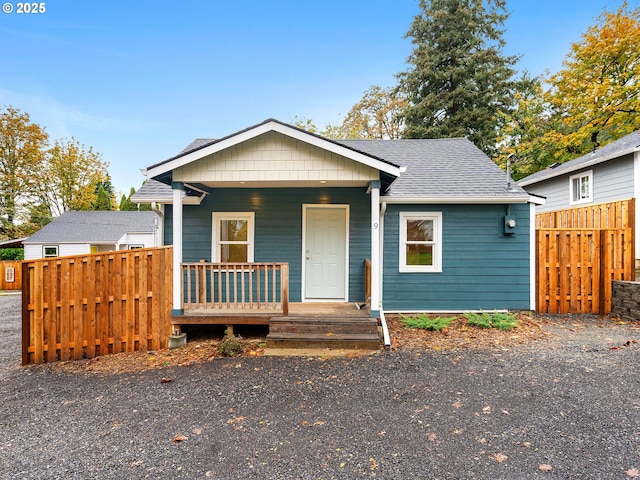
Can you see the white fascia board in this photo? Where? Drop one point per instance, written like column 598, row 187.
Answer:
column 275, row 127
column 455, row 200
column 581, row 166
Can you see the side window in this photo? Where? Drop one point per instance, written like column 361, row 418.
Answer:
column 10, row 275
column 420, row 242
column 581, row 187
column 49, row 251
column 233, row 236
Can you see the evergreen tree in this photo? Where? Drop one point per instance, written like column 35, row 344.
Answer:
column 103, row 200
column 458, row 78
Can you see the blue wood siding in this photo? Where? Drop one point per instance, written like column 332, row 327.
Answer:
column 278, row 227
column 481, row 267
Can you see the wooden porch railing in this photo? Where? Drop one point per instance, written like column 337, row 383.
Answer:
column 241, row 287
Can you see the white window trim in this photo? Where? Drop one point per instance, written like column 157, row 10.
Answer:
column 10, row 275
column 437, row 242
column 215, row 240
column 44, row 248
column 135, row 246
column 589, row 199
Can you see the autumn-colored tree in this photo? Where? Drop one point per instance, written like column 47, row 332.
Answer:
column 522, row 127
column 72, row 174
column 593, row 100
column 458, row 77
column 378, row 115
column 595, row 97
column 22, row 145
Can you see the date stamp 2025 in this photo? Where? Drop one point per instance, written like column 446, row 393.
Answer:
column 24, row 8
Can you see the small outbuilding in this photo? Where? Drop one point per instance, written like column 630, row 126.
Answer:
column 83, row 232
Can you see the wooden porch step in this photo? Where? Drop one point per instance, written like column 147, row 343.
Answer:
column 323, row 332
column 323, row 325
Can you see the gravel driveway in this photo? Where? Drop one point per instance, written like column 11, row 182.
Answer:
column 567, row 407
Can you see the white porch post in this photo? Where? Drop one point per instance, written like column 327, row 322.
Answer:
column 178, row 188
column 375, row 248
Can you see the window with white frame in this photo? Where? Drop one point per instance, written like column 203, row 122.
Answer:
column 49, row 251
column 233, row 236
column 135, row 246
column 420, row 242
column 581, row 187
column 10, row 275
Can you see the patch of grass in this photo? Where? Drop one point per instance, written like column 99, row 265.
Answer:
column 501, row 321
column 425, row 322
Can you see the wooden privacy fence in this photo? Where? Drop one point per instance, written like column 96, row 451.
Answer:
column 11, row 275
column 235, row 286
column 575, row 268
column 81, row 307
column 603, row 215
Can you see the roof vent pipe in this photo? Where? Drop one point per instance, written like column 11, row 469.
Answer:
column 509, row 188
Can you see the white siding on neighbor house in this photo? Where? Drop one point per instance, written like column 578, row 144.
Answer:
column 274, row 157
column 36, row 250
column 612, row 181
column 147, row 240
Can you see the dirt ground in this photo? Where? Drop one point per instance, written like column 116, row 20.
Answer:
column 541, row 331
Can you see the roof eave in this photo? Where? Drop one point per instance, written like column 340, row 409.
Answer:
column 502, row 199
column 553, row 174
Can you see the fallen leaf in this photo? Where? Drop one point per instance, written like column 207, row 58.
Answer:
column 178, row 438
column 499, row 457
column 632, row 472
column 373, row 462
column 166, row 380
column 545, row 467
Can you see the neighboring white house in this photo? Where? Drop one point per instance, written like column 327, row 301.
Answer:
column 608, row 174
column 79, row 233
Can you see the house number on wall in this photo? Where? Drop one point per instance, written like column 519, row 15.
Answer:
column 375, row 226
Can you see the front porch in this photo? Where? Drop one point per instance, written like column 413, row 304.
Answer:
column 257, row 294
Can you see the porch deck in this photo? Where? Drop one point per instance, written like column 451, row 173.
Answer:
column 203, row 316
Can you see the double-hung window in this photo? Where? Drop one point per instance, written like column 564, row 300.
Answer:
column 581, row 187
column 233, row 236
column 420, row 242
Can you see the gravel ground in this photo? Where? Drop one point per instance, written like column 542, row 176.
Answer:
column 567, row 406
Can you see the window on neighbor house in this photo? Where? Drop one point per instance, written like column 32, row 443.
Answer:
column 136, row 246
column 233, row 236
column 10, row 275
column 50, row 251
column 420, row 242
column 581, row 187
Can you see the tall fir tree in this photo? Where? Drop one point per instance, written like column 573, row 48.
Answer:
column 459, row 78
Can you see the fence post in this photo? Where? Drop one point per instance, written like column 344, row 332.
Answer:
column 26, row 318
column 605, row 272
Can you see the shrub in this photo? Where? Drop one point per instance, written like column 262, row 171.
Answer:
column 427, row 323
column 501, row 321
column 230, row 346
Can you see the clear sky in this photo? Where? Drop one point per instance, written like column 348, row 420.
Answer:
column 138, row 80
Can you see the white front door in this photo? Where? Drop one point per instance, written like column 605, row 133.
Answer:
column 325, row 252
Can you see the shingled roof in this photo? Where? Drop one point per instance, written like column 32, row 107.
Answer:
column 94, row 227
column 451, row 169
column 624, row 146
column 440, row 169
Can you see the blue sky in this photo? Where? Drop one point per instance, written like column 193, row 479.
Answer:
column 138, row 80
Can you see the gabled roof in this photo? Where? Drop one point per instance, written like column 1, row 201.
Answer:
column 623, row 146
column 94, row 227
column 445, row 170
column 203, row 148
column 420, row 170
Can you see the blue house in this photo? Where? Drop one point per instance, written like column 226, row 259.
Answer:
column 401, row 225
